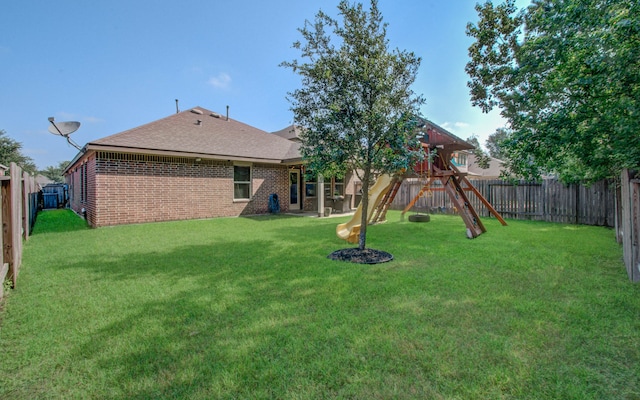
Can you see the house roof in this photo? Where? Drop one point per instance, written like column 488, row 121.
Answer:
column 200, row 132
column 496, row 166
column 43, row 180
column 291, row 132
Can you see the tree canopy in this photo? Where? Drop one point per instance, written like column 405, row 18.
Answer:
column 566, row 76
column 482, row 159
column 356, row 106
column 11, row 151
column 494, row 143
column 55, row 172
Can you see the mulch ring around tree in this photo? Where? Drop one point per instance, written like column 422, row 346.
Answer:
column 366, row 256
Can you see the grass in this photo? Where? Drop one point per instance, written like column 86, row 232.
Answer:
column 241, row 308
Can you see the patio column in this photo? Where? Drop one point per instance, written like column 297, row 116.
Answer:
column 320, row 195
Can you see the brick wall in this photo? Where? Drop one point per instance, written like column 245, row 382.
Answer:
column 71, row 179
column 130, row 188
column 82, row 189
column 268, row 179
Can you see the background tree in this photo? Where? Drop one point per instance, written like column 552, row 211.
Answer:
column 494, row 143
column 482, row 159
column 55, row 173
column 356, row 104
column 11, row 151
column 566, row 75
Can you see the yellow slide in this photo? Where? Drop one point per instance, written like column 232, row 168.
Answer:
column 349, row 231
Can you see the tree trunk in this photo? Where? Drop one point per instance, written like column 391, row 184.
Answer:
column 364, row 220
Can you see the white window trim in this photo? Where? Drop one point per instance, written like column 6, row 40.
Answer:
column 243, row 164
column 313, row 182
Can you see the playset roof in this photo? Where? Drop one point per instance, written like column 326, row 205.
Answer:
column 437, row 136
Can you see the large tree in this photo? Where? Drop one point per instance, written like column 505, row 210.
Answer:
column 11, row 151
column 566, row 76
column 55, row 173
column 355, row 105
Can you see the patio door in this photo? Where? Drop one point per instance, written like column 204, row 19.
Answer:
column 294, row 189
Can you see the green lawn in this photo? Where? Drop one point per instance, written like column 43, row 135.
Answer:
column 251, row 308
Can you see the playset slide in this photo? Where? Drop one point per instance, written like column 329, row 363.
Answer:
column 349, row 231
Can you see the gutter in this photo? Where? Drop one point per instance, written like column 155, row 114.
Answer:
column 130, row 150
column 171, row 153
column 75, row 159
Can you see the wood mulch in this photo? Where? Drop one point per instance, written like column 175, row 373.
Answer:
column 366, row 256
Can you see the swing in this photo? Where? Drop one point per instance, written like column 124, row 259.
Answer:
column 424, row 192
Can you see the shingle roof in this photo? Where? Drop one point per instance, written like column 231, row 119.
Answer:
column 213, row 136
column 291, row 132
column 496, row 166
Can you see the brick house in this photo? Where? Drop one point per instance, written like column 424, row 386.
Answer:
column 190, row 165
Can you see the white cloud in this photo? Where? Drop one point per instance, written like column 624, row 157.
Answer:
column 454, row 127
column 447, row 125
column 92, row 120
column 66, row 116
column 221, row 81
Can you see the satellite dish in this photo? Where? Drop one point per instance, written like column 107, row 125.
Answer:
column 65, row 129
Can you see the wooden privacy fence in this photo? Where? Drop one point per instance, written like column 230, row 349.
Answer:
column 549, row 200
column 628, row 230
column 19, row 209
column 55, row 195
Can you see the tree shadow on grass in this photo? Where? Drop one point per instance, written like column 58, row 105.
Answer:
column 263, row 317
column 205, row 328
column 271, row 317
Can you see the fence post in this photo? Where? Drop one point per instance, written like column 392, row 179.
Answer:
column 15, row 226
column 26, row 189
column 635, row 232
column 630, row 222
column 4, row 267
column 6, row 220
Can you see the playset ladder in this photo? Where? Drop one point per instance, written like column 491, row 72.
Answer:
column 380, row 213
column 480, row 196
column 451, row 183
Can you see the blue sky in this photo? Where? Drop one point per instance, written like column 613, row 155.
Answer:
column 114, row 65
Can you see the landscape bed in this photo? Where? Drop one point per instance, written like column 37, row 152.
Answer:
column 253, row 308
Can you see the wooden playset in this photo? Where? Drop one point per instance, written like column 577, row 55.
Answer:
column 439, row 147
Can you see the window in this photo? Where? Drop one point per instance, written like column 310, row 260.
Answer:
column 338, row 187
column 334, row 187
column 311, row 184
column 83, row 183
column 241, row 182
column 72, row 179
column 459, row 159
